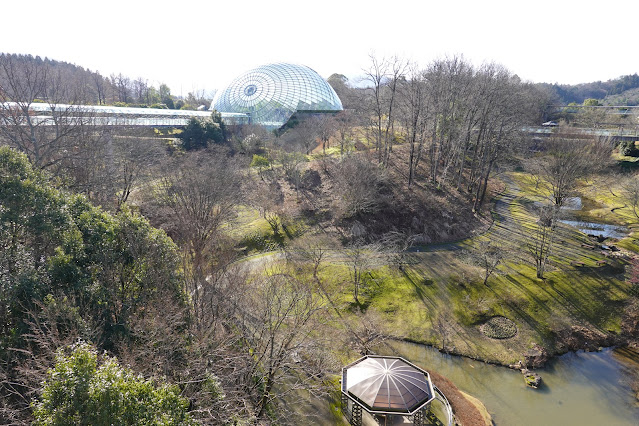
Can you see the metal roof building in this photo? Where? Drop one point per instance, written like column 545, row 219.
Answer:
column 101, row 115
column 386, row 387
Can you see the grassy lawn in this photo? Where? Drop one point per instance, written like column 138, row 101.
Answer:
column 256, row 235
column 439, row 299
column 438, row 302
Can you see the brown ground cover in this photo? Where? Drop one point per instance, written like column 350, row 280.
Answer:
column 466, row 412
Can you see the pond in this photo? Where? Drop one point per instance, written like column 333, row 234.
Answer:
column 585, row 388
column 569, row 204
column 572, row 203
column 598, row 229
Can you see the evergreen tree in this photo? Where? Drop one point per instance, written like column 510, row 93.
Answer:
column 78, row 391
column 200, row 133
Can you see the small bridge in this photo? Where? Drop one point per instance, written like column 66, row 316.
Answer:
column 618, row 134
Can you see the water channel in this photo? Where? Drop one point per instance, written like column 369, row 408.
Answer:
column 598, row 229
column 582, row 388
column 574, row 204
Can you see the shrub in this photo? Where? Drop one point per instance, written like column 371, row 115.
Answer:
column 257, row 242
column 198, row 133
column 628, row 148
column 310, row 179
column 260, row 162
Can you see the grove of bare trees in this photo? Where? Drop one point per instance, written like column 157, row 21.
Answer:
column 194, row 200
column 459, row 120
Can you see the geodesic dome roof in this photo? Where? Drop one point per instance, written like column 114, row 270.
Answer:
column 271, row 94
column 387, row 385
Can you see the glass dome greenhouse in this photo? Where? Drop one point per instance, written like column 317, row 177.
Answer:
column 270, row 94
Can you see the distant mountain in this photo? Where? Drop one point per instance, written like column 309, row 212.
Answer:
column 620, row 91
column 628, row 98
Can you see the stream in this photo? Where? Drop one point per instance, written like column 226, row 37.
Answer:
column 598, row 229
column 575, row 204
column 581, row 388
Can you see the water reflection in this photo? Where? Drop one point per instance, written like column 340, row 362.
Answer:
column 578, row 388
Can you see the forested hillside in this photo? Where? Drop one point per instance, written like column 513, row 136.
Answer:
column 618, row 91
column 70, row 83
column 628, row 97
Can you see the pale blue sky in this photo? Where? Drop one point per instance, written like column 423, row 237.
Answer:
column 191, row 44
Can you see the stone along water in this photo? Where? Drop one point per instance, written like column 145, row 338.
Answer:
column 583, row 388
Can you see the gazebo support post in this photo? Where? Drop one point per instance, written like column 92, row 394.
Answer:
column 418, row 418
column 346, row 409
column 356, row 415
column 353, row 412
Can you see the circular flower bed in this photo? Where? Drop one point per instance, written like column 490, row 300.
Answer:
column 499, row 328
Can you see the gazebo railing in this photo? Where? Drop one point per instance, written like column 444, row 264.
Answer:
column 439, row 395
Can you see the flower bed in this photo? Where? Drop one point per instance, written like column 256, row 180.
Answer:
column 499, row 328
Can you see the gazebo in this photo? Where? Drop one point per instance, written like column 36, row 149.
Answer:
column 385, row 387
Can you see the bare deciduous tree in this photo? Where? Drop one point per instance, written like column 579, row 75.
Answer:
column 100, row 87
column 361, row 258
column 383, row 77
column 359, row 185
column 268, row 198
column 540, row 240
column 630, row 194
column 569, row 156
column 108, row 172
column 123, row 87
column 307, row 132
column 370, row 331
column 325, row 128
column 414, row 106
column 200, row 195
column 487, row 256
column 134, row 161
column 59, row 128
column 344, row 124
column 278, row 319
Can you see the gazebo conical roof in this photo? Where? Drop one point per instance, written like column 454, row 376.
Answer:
column 387, row 385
